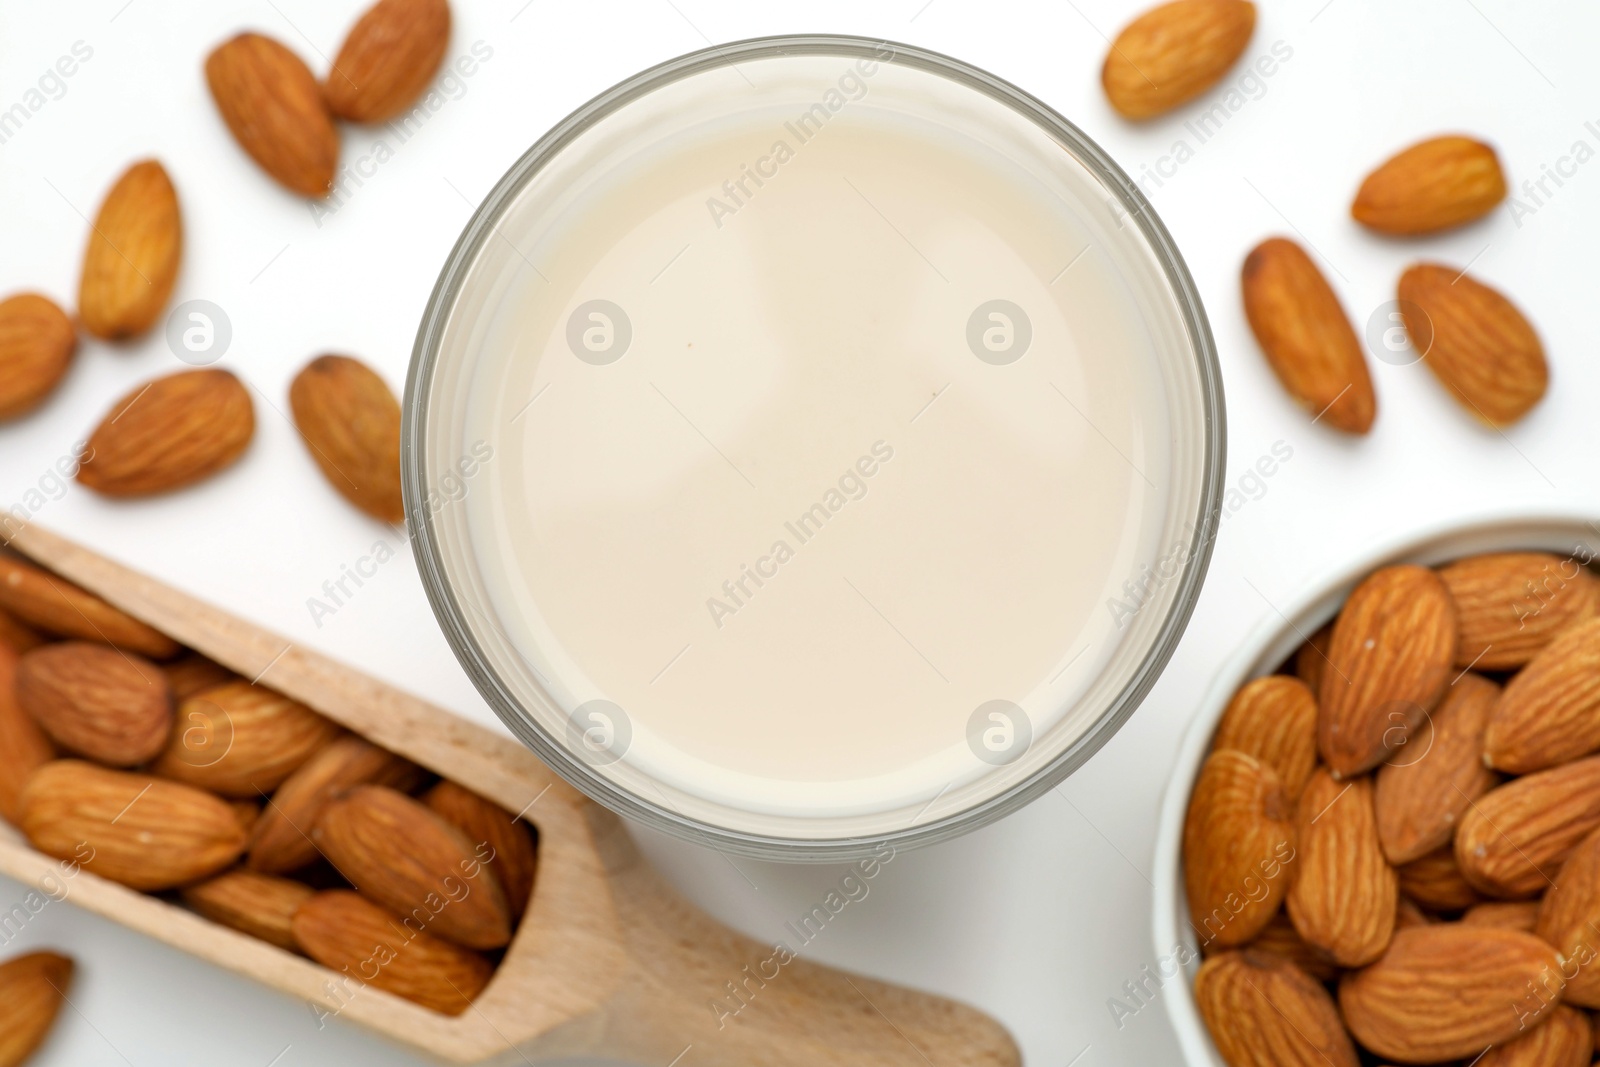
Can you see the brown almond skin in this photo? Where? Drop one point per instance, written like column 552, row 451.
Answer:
column 272, row 104
column 1507, row 914
column 1435, row 881
column 1448, row 991
column 281, row 840
column 242, row 740
column 1238, row 845
column 1388, row 663
column 408, row 859
column 24, row 748
column 1306, row 336
column 56, row 606
column 1280, row 938
column 36, row 346
column 32, row 990
column 1345, row 893
column 260, row 905
column 193, row 674
column 1476, row 342
column 144, row 832
column 1513, row 841
column 516, row 861
column 1172, row 53
column 1550, row 712
column 169, row 433
column 111, row 706
column 1425, row 788
column 1274, row 719
column 387, row 60
column 1433, row 185
column 1312, row 658
column 135, row 249
column 1568, row 918
column 1263, row 1011
column 17, row 635
column 350, row 421
column 1510, row 605
column 347, row 933
column 1564, row 1039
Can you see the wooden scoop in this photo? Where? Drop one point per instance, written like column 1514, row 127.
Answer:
column 609, row 962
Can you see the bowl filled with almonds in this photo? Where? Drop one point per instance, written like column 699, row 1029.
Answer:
column 1382, row 839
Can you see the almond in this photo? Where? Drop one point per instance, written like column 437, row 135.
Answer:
column 1173, row 53
column 274, row 108
column 23, row 746
column 1388, row 663
column 98, row 702
column 1431, row 186
column 15, row 634
column 194, row 674
column 408, row 859
column 61, row 608
column 1238, row 838
column 36, row 345
column 242, row 740
column 351, row 423
column 1408, row 913
column 281, row 840
column 389, row 57
column 1507, row 914
column 515, row 862
column 1425, row 788
column 1263, row 1011
column 1563, row 1040
column 169, row 433
column 1550, row 713
column 257, row 904
column 1306, row 336
column 144, row 832
column 1510, row 605
column 1449, row 991
column 1274, row 719
column 32, row 989
column 1280, row 938
column 1514, row 839
column 1344, row 894
column 346, row 933
column 131, row 264
column 1435, row 881
column 1475, row 341
column 1569, row 918
column 1312, row 657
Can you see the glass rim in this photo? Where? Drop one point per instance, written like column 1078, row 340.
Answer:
column 484, row 224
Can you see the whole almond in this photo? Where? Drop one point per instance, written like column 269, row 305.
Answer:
column 32, row 990
column 260, row 905
column 1280, row 938
column 1238, row 840
column 57, row 606
column 1510, row 605
column 1512, row 842
column 484, row 822
column 144, row 832
column 281, row 839
column 388, row 58
column 1306, row 336
column 135, row 246
column 347, row 933
column 23, row 746
column 1550, row 713
column 1388, row 663
column 408, row 859
column 1564, row 1039
column 1507, row 914
column 36, row 345
column 1423, row 790
column 96, row 701
column 1569, row 918
column 1448, row 991
column 1263, row 1011
column 1344, row 894
column 274, row 107
column 193, row 674
column 1431, row 186
column 242, row 740
column 1475, row 341
column 169, row 433
column 351, row 423
column 1173, row 53
column 1435, row 881
column 1274, row 719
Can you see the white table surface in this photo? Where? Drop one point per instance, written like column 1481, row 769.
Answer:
column 1041, row 918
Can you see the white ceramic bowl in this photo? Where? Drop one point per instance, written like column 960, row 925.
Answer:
column 1266, row 648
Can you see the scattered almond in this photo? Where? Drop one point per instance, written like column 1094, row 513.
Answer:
column 1274, row 719
column 24, row 747
column 260, row 905
column 274, row 108
column 1263, row 1011
column 32, row 990
column 1510, row 605
column 131, row 264
column 242, row 740
column 388, row 59
column 169, row 433
column 351, row 423
column 1431, row 186
column 1512, row 842
column 59, row 607
column 1173, row 53
column 36, row 345
column 1550, row 712
column 96, row 701
column 484, row 822
column 1238, row 840
column 1344, row 893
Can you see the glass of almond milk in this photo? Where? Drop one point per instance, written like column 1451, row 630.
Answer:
column 814, row 442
